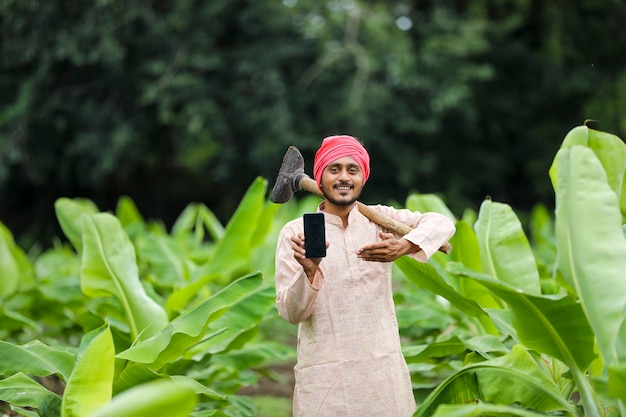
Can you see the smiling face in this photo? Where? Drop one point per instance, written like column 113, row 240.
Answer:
column 342, row 183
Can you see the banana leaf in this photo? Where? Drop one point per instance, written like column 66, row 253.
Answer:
column 466, row 248
column 617, row 382
column 70, row 215
column 233, row 250
column 22, row 391
column 428, row 203
column 166, row 258
column 14, row 320
column 265, row 239
column 484, row 410
column 554, row 325
column 420, row 353
column 501, row 318
column 135, row 374
column 109, row 268
column 240, row 324
column 467, row 251
column 541, row 225
column 161, row 398
column 196, row 218
column 188, row 329
column 591, row 245
column 426, row 276
column 57, row 272
column 127, row 213
column 15, row 269
column 179, row 297
column 515, row 378
column 35, row 358
column 484, row 345
column 504, row 249
column 90, row 384
column 609, row 149
column 253, row 355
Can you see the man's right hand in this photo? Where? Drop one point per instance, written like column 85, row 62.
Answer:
column 310, row 265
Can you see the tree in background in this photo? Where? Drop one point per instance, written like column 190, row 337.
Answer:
column 171, row 102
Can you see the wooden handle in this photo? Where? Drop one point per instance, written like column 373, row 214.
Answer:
column 399, row 228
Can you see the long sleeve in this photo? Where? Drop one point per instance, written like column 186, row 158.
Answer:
column 430, row 230
column 295, row 295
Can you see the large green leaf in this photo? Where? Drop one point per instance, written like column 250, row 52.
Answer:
column 515, row 378
column 483, row 344
column 127, row 212
column 70, row 215
column 484, row 410
column 15, row 269
column 166, row 257
column 591, row 245
column 161, row 398
column 238, row 323
column 232, row 251
column 137, row 373
column 504, row 249
column 467, row 251
column 91, row 384
column 617, row 381
column 179, row 297
column 188, row 329
column 428, row 203
column 232, row 254
column 543, row 243
column 196, row 218
column 255, row 354
column 466, row 248
column 555, row 326
column 35, row 358
column 425, row 276
column 419, row 353
column 265, row 239
column 20, row 390
column 58, row 275
column 14, row 320
column 622, row 201
column 109, row 268
column 552, row 325
column 501, row 319
column 609, row 149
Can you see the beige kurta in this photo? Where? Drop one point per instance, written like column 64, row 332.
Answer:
column 349, row 358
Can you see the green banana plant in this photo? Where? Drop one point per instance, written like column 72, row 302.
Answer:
column 135, row 354
column 564, row 340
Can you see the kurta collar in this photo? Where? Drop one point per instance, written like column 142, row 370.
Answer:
column 336, row 220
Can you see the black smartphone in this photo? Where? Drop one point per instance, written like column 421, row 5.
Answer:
column 314, row 235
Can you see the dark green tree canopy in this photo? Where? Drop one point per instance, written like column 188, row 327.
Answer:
column 178, row 101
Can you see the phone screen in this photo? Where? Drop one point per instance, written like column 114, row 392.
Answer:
column 314, row 235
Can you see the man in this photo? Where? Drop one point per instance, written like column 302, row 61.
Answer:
column 349, row 358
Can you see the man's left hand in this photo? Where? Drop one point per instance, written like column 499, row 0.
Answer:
column 388, row 249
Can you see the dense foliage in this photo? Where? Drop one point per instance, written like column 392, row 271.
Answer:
column 177, row 101
column 130, row 319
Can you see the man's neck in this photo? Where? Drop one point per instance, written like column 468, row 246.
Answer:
column 338, row 210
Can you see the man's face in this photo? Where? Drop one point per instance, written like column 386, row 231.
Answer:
column 342, row 181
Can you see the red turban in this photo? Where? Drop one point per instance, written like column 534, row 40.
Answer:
column 335, row 147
